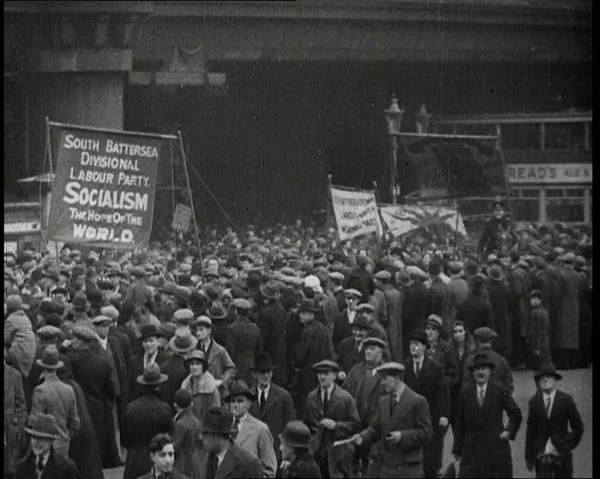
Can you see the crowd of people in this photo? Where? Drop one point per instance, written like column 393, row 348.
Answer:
column 281, row 352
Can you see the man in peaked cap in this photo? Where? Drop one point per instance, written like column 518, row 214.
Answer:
column 145, row 417
column 42, row 459
column 331, row 414
column 350, row 351
column 342, row 324
column 398, row 437
column 549, row 443
column 56, row 398
column 364, row 385
column 497, row 234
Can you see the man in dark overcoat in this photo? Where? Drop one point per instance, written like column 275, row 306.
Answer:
column 144, row 418
column 93, row 373
column 271, row 321
column 476, row 311
column 500, row 301
column 394, row 300
column 481, row 440
column 426, row 377
column 174, row 367
column 520, row 285
column 416, row 304
column 566, row 330
column 244, row 340
column 554, row 427
column 151, row 352
column 272, row 405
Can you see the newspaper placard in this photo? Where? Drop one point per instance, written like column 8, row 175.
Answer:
column 182, row 218
column 401, row 219
column 103, row 192
column 355, row 212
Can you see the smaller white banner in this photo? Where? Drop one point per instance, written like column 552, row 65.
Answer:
column 355, row 213
column 549, row 172
column 401, row 219
column 182, row 218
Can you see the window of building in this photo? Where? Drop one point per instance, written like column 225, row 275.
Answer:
column 566, row 210
column 565, row 136
column 525, row 209
column 523, row 136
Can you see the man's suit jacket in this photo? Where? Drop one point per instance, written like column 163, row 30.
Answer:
column 276, row 413
column 348, row 354
column 411, row 417
column 540, row 428
column 218, row 359
column 342, row 409
column 33, row 379
column 254, row 437
column 237, row 463
column 57, row 467
column 431, row 384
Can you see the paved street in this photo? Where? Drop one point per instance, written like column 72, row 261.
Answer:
column 576, row 382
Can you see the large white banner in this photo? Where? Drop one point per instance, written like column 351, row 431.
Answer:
column 355, row 212
column 401, row 219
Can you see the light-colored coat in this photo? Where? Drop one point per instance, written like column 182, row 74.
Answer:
column 19, row 333
column 254, row 437
column 58, row 399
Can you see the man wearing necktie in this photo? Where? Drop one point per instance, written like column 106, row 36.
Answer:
column 162, row 453
column 43, row 460
column 274, row 406
column 331, row 415
column 548, row 442
column 481, row 440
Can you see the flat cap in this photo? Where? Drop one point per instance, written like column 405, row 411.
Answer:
column 183, row 316
column 391, row 368
column 568, row 257
column 325, row 366
column 353, row 292
column 203, row 321
column 241, row 303
column 366, row 308
column 84, row 333
column 485, row 333
column 455, row 266
column 102, row 319
column 383, row 275
column 373, row 342
column 49, row 333
column 110, row 311
column 337, row 276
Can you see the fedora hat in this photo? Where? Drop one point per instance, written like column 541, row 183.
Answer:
column 496, row 273
column 547, row 370
column 309, row 305
column 149, row 330
column 419, row 335
column 42, row 425
column 183, row 341
column 50, row 358
column 240, row 388
column 262, row 363
column 218, row 421
column 270, row 290
column 152, row 376
column 481, row 360
column 296, row 434
column 217, row 311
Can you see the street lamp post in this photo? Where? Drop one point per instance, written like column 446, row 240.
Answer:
column 393, row 116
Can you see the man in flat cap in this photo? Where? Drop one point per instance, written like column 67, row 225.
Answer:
column 399, row 430
column 342, row 324
column 365, row 387
column 139, row 293
column 350, row 352
column 331, row 415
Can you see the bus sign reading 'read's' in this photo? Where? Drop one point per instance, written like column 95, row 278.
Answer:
column 104, row 187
